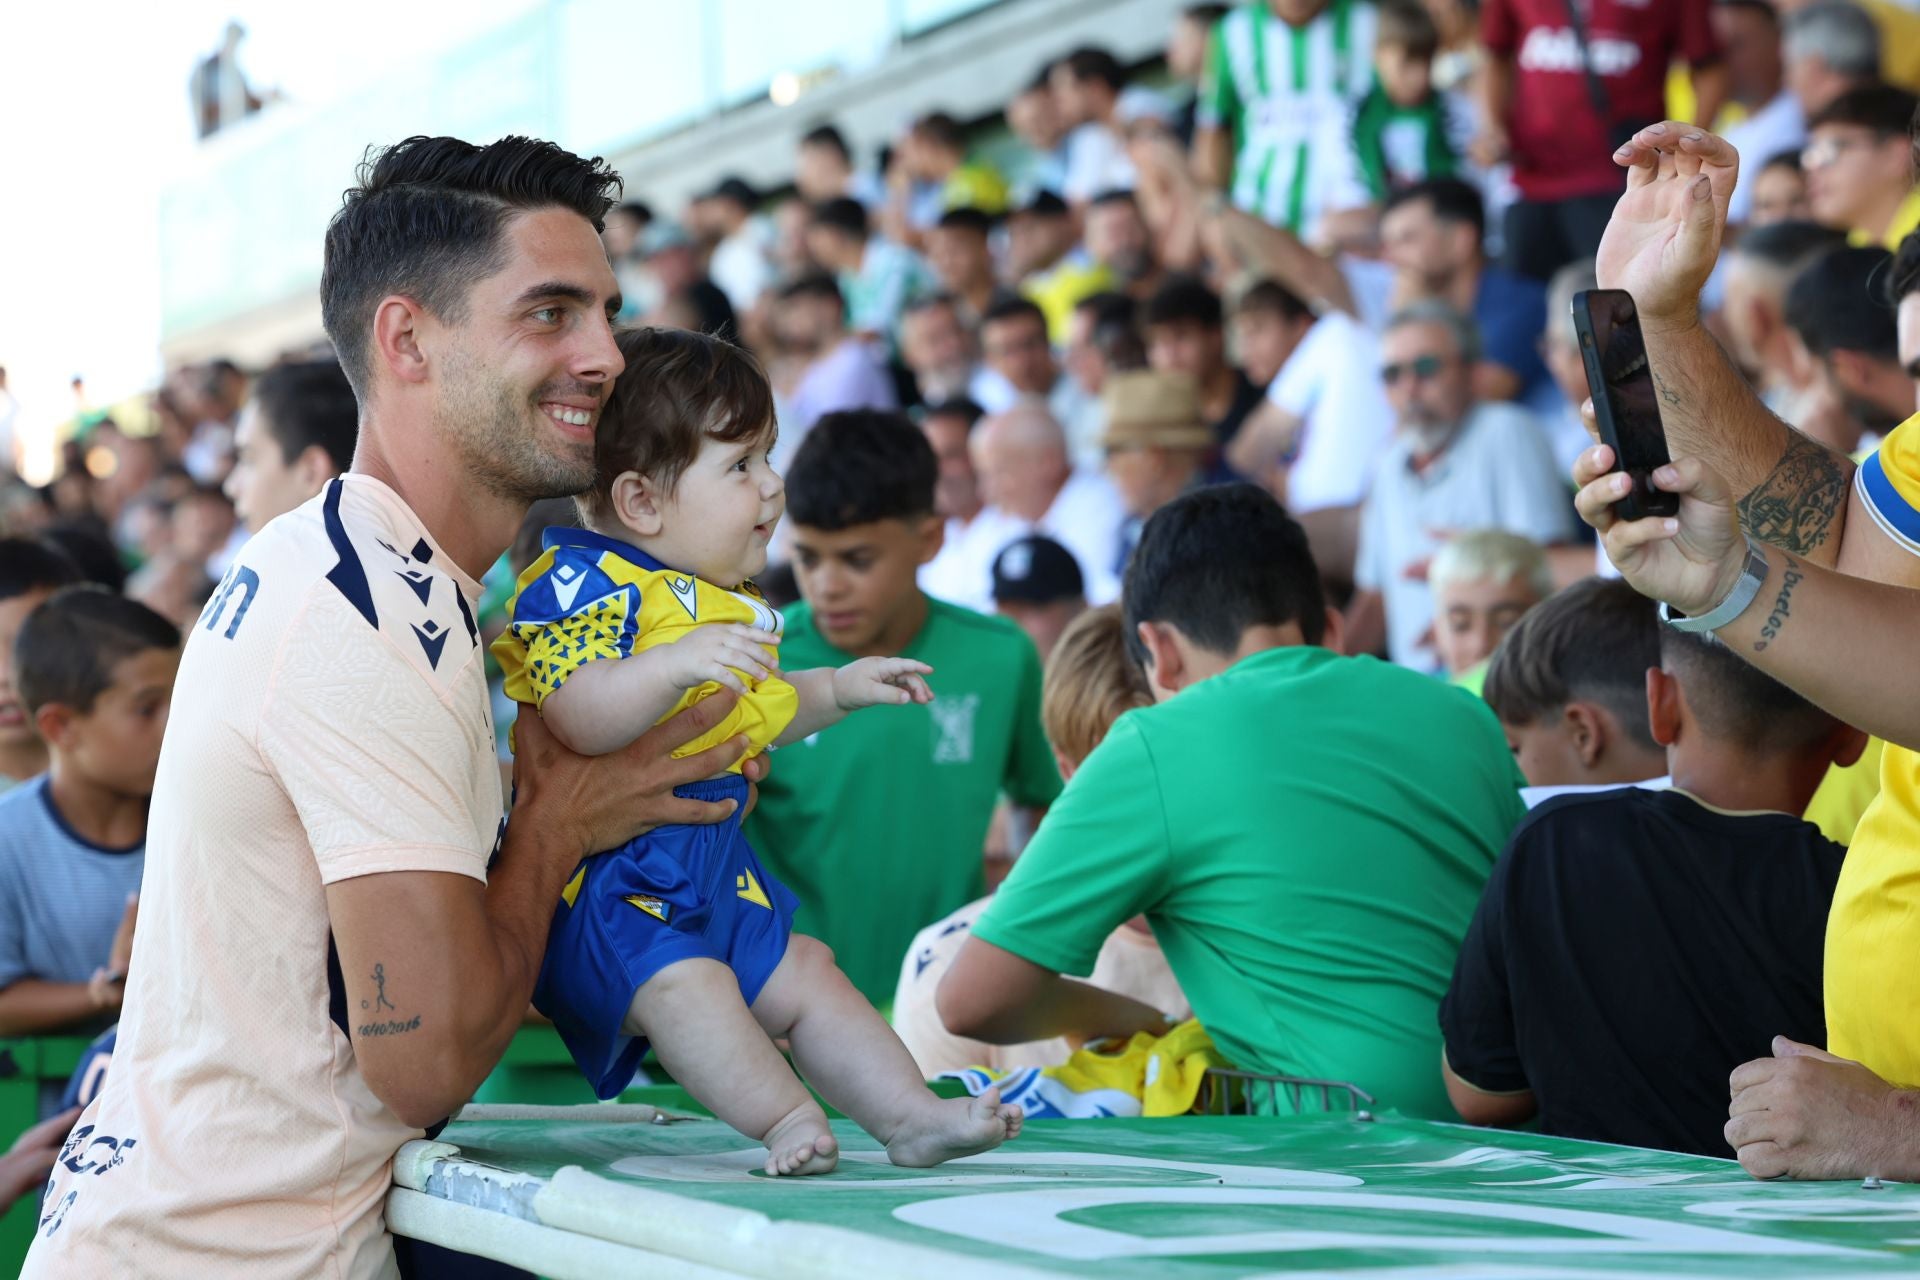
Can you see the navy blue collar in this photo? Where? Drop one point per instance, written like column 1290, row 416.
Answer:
column 45, row 783
column 588, row 540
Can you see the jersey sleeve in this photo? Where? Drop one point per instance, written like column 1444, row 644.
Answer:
column 1032, row 777
column 1101, row 857
column 370, row 753
column 1218, row 103
column 1476, row 1014
column 1888, row 483
column 567, row 613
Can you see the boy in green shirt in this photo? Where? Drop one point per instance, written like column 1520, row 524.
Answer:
column 880, row 830
column 1405, row 130
column 1307, row 834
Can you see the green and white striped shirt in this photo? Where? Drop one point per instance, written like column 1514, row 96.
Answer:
column 1289, row 95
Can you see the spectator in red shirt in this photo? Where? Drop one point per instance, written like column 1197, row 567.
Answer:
column 1566, row 82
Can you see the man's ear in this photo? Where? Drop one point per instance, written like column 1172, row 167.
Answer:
column 1066, row 767
column 1588, row 728
column 315, row 467
column 1666, row 707
column 1166, row 665
column 55, row 720
column 396, row 338
column 636, row 503
column 933, row 536
column 1848, row 745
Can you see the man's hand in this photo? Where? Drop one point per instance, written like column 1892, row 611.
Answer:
column 1663, row 239
column 1806, row 1114
column 881, row 682
column 1692, row 562
column 717, row 653
column 26, row 1165
column 1490, row 146
column 108, row 985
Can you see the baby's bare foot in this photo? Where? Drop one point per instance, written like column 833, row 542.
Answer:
column 801, row 1144
column 948, row 1128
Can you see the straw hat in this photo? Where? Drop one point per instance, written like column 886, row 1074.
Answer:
column 1147, row 410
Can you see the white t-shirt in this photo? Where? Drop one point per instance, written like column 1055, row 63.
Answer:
column 1086, row 518
column 330, row 720
column 1097, row 162
column 1779, row 126
column 1331, row 383
column 740, row 265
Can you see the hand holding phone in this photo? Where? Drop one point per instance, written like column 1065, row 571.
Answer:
column 1626, row 405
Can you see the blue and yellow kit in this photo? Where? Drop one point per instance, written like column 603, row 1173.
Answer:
column 676, row 893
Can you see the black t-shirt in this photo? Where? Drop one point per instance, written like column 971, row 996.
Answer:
column 1246, row 398
column 1632, row 948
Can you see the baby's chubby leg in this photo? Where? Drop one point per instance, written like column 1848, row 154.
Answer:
column 858, row 1064
column 692, row 1013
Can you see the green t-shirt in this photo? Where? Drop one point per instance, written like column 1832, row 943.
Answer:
column 879, row 823
column 1308, row 835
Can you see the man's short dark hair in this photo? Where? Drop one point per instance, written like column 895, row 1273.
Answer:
column 639, row 210
column 1882, row 108
column 1090, row 62
column 1904, row 277
column 1591, row 642
column 1216, row 561
column 1450, row 199
column 1737, row 703
column 428, row 219
column 69, row 646
column 1184, row 299
column 1838, row 303
column 939, row 129
column 1274, row 298
column 967, row 218
column 1115, row 328
column 27, row 564
column 858, row 467
column 843, row 214
column 1204, row 15
column 955, row 407
column 1115, row 195
column 1762, row 7
column 1788, row 159
column 1406, row 24
column 1788, row 246
column 309, row 402
column 89, row 545
column 829, row 137
column 1013, row 306
column 814, row 284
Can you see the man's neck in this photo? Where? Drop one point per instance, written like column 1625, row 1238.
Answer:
column 471, row 525
column 1727, row 778
column 1053, row 495
column 23, row 760
column 1881, row 212
column 96, row 814
column 1205, row 664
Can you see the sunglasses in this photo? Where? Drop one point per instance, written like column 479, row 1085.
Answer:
column 1421, row 367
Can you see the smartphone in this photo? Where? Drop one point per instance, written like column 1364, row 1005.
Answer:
column 1625, row 403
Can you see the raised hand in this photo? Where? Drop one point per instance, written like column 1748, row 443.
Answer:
column 718, row 652
column 1692, row 561
column 877, row 682
column 1664, row 236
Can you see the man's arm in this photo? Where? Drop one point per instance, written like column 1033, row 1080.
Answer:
column 1489, row 148
column 1265, row 249
column 1806, row 1114
column 1711, row 82
column 33, row 1006
column 1481, row 1106
column 439, row 967
column 990, row 994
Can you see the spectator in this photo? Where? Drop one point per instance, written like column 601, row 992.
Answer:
column 1550, row 1016
column 1828, row 48
column 1187, row 63
column 952, row 575
column 1405, row 130
column 30, row 572
column 726, row 217
column 675, row 292
column 824, row 170
column 939, row 351
column 1037, row 586
column 1034, row 117
column 1315, row 965
column 25, row 1166
column 1013, row 336
column 1761, row 265
column 931, row 174
column 1568, row 682
column 1456, row 463
column 860, row 495
column 1103, row 338
column 962, row 261
column 1859, row 165
column 95, row 671
column 1087, row 84
column 1563, row 88
column 1560, row 346
column 1045, row 258
column 1780, row 192
column 219, row 89
column 1749, row 36
column 1091, row 681
column 1186, row 331
column 214, row 393
column 626, row 222
column 878, row 278
column 1456, row 68
column 1118, row 240
column 1279, row 142
column 1030, row 486
column 841, row 371
column 1483, row 582
column 296, row 434
column 1157, row 442
column 1837, row 309
column 1268, row 323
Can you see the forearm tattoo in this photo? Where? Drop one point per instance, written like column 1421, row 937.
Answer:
column 1791, row 576
column 1795, row 506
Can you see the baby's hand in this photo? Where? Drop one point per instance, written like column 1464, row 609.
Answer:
column 875, row 682
column 717, row 652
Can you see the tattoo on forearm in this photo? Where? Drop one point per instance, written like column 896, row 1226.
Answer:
column 1792, row 574
column 1795, row 506
column 1667, row 393
column 387, row 1026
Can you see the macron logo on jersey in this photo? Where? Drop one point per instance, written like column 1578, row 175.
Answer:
column 566, row 585
column 685, row 591
column 1558, row 49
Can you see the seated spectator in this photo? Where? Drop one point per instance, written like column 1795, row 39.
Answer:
column 295, row 434
column 1568, row 682
column 940, row 353
column 841, row 370
column 1483, row 582
column 1779, row 191
column 1722, row 889
column 1103, row 338
column 1859, row 166
column 932, row 174
column 962, row 262
column 1749, row 35
column 950, row 575
column 1030, row 486
column 1186, row 331
column 30, row 572
column 1033, row 115
column 1760, row 266
column 1310, row 964
column 727, row 218
column 1457, row 462
column 1838, row 310
column 1037, row 586
column 1087, row 85
column 824, row 170
column 1268, row 323
column 1406, row 130
column 674, row 290
column 1157, row 443
column 878, row 278
column 1045, row 259
column 1013, row 338
column 833, row 823
column 1829, row 47
column 1091, row 682
column 1119, row 241
column 95, row 671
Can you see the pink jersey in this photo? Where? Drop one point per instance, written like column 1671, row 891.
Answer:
column 330, row 721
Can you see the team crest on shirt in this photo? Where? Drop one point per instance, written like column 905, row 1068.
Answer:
column 953, row 717
column 652, row 906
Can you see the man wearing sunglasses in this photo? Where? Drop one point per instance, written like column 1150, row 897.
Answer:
column 1456, row 463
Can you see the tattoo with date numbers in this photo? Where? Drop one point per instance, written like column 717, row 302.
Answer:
column 388, row 1026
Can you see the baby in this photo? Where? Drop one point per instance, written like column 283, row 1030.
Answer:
column 680, row 938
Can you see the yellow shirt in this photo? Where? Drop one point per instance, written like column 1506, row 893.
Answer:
column 1905, row 219
column 1899, row 42
column 1873, row 930
column 1059, row 290
column 589, row 598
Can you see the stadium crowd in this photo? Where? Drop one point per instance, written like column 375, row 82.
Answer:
column 1143, row 414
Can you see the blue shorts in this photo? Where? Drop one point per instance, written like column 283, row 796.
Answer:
column 676, row 893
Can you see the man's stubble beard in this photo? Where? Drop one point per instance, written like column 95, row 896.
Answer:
column 491, row 428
